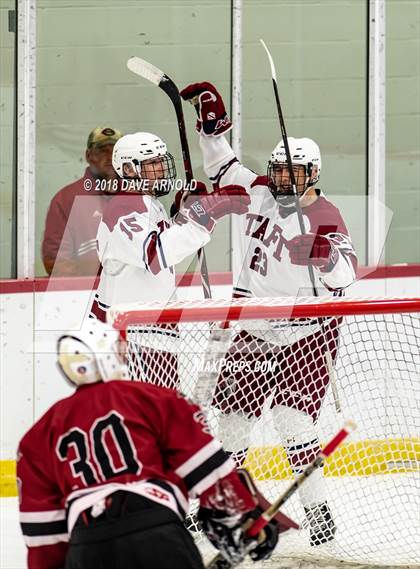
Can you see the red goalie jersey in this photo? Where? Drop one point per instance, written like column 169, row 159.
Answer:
column 117, row 436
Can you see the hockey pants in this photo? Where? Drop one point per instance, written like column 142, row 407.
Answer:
column 135, row 533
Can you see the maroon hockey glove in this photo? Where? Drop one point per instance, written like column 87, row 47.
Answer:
column 200, row 189
column 212, row 116
column 314, row 249
column 205, row 210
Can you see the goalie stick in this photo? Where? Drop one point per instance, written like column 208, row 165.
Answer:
column 328, row 358
column 220, row 562
column 157, row 77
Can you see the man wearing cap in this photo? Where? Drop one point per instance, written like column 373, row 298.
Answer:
column 69, row 243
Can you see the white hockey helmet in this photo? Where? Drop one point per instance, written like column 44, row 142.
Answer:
column 303, row 151
column 91, row 354
column 133, row 149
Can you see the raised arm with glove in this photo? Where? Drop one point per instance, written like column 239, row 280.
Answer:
column 212, row 116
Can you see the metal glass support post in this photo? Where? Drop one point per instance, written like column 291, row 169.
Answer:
column 25, row 156
column 236, row 106
column 376, row 146
column 236, row 92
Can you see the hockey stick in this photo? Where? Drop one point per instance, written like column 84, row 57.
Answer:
column 328, row 358
column 220, row 562
column 157, row 77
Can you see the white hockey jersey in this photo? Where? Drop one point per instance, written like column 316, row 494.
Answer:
column 138, row 247
column 261, row 265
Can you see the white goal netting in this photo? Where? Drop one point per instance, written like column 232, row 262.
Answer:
column 277, row 380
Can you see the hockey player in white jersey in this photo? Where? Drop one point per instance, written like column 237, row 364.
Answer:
column 138, row 245
column 271, row 259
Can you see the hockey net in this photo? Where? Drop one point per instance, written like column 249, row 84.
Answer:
column 260, row 367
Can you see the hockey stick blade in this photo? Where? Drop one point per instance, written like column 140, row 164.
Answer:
column 145, row 69
column 270, row 59
column 156, row 76
column 220, row 562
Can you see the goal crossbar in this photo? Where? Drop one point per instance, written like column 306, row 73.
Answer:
column 124, row 315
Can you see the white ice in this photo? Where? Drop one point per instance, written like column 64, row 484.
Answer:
column 12, row 548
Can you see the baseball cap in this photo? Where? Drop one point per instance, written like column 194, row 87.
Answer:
column 101, row 136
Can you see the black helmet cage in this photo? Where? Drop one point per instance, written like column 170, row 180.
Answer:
column 286, row 198
column 162, row 187
column 308, row 168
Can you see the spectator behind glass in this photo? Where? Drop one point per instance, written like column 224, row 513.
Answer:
column 69, row 243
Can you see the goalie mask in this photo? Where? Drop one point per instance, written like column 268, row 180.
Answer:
column 143, row 156
column 306, row 162
column 91, row 354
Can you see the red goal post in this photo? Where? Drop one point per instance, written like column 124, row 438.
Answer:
column 373, row 343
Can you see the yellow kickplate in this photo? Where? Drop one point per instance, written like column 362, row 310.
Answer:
column 8, row 478
column 361, row 458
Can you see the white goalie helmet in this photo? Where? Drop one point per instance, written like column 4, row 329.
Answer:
column 91, row 354
column 303, row 151
column 133, row 149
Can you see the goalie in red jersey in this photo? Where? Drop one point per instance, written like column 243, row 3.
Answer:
column 106, row 474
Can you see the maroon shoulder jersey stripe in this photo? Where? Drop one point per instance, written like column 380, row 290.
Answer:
column 122, row 205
